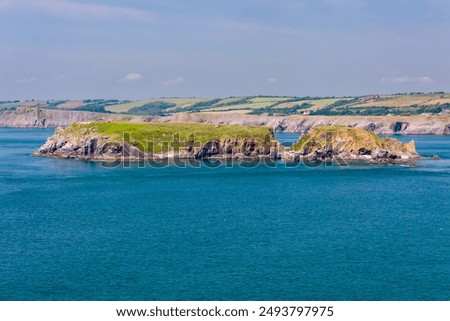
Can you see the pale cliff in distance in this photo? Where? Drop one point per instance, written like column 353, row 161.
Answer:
column 408, row 125
column 30, row 117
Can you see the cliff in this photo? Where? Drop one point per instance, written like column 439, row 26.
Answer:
column 30, row 117
column 353, row 144
column 136, row 141
column 407, row 125
column 388, row 125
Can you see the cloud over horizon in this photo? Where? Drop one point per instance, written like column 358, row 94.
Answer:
column 172, row 82
column 273, row 80
column 133, row 76
column 23, row 81
column 406, row 79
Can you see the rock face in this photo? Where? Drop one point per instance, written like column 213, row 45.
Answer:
column 387, row 125
column 87, row 143
column 28, row 117
column 407, row 125
column 353, row 144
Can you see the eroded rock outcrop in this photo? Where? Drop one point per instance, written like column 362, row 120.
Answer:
column 337, row 143
column 30, row 117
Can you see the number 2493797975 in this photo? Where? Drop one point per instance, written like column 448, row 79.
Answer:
column 300, row 311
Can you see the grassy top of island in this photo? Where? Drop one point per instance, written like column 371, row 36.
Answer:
column 354, row 134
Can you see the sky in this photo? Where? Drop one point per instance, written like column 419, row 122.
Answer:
column 137, row 49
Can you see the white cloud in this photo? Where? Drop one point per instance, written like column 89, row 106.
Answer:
column 425, row 79
column 133, row 76
column 273, row 80
column 59, row 78
column 173, row 82
column 24, row 81
column 406, row 79
column 77, row 10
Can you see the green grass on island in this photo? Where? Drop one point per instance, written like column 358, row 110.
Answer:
column 156, row 137
column 354, row 134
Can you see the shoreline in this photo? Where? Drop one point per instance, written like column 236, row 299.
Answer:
column 27, row 117
column 261, row 159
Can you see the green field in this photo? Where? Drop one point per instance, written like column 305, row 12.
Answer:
column 179, row 102
column 372, row 105
column 254, row 105
column 268, row 100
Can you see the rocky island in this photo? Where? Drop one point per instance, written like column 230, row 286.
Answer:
column 136, row 141
column 340, row 143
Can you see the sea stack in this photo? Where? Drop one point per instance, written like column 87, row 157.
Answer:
column 335, row 143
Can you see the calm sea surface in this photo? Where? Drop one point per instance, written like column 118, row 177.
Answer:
column 73, row 230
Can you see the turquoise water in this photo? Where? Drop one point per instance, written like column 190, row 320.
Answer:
column 73, row 230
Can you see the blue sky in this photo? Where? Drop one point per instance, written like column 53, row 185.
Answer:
column 134, row 49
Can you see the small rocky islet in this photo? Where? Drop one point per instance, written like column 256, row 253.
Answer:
column 350, row 144
column 136, row 141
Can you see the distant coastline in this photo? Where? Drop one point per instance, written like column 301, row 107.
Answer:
column 34, row 117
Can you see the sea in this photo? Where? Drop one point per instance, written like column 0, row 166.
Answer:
column 79, row 230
